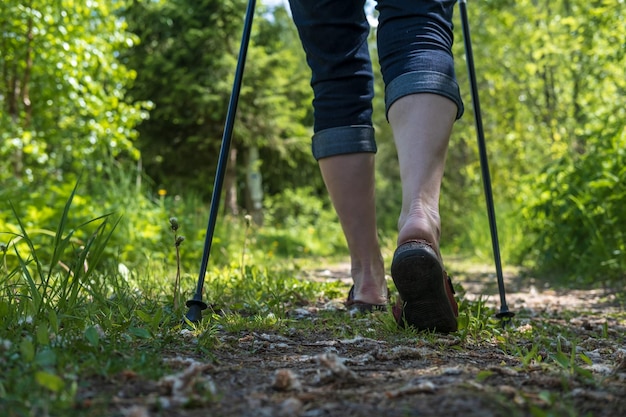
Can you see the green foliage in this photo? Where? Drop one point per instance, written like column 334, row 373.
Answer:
column 476, row 320
column 551, row 83
column 188, row 54
column 68, row 313
column 136, row 216
column 541, row 65
column 62, row 103
column 67, row 324
column 58, row 269
column 182, row 64
column 300, row 224
column 54, row 289
column 576, row 212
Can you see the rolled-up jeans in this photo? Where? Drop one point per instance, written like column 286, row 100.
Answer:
column 415, row 52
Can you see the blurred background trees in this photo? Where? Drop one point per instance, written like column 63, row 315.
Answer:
column 131, row 95
column 185, row 65
column 63, row 104
column 553, row 94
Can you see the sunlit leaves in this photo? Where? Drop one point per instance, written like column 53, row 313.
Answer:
column 186, row 64
column 577, row 215
column 61, row 99
column 552, row 78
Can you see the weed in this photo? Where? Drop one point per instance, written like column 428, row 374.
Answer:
column 248, row 220
column 178, row 240
column 568, row 363
column 528, row 357
column 476, row 320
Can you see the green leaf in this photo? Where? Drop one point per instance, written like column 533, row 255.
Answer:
column 140, row 333
column 60, row 243
column 92, row 336
column 143, row 316
column 585, row 359
column 50, row 381
column 562, row 359
column 27, row 350
column 54, row 320
column 46, row 357
column 43, row 337
column 585, row 373
column 483, row 375
column 546, row 396
column 32, row 285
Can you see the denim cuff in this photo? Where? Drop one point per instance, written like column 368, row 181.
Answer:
column 343, row 140
column 424, row 82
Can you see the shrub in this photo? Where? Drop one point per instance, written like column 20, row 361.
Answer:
column 576, row 215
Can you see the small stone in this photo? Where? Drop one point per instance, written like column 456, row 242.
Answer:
column 286, row 380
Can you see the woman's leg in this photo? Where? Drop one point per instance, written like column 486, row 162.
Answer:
column 422, row 98
column 334, row 35
column 421, row 125
column 350, row 182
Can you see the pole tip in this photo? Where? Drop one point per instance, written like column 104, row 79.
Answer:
column 505, row 315
column 194, row 314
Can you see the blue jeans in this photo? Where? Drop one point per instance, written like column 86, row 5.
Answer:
column 414, row 48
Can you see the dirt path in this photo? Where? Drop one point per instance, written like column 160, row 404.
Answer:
column 318, row 374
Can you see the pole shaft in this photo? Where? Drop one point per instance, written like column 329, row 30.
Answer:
column 482, row 150
column 225, row 147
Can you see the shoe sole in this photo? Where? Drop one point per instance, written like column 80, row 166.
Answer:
column 419, row 278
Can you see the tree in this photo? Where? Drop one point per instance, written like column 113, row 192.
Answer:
column 542, row 66
column 186, row 62
column 62, row 89
column 553, row 87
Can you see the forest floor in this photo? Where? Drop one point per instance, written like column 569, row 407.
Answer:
column 562, row 355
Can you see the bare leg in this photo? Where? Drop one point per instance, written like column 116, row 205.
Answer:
column 421, row 125
column 350, row 182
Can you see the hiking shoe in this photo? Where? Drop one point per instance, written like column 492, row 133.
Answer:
column 426, row 294
column 360, row 307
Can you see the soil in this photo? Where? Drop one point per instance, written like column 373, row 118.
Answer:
column 318, row 374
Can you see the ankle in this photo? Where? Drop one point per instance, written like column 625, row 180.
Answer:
column 420, row 222
column 370, row 285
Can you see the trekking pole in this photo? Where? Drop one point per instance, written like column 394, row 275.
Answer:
column 504, row 313
column 196, row 305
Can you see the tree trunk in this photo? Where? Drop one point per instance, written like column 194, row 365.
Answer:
column 254, row 186
column 230, row 184
column 20, row 98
